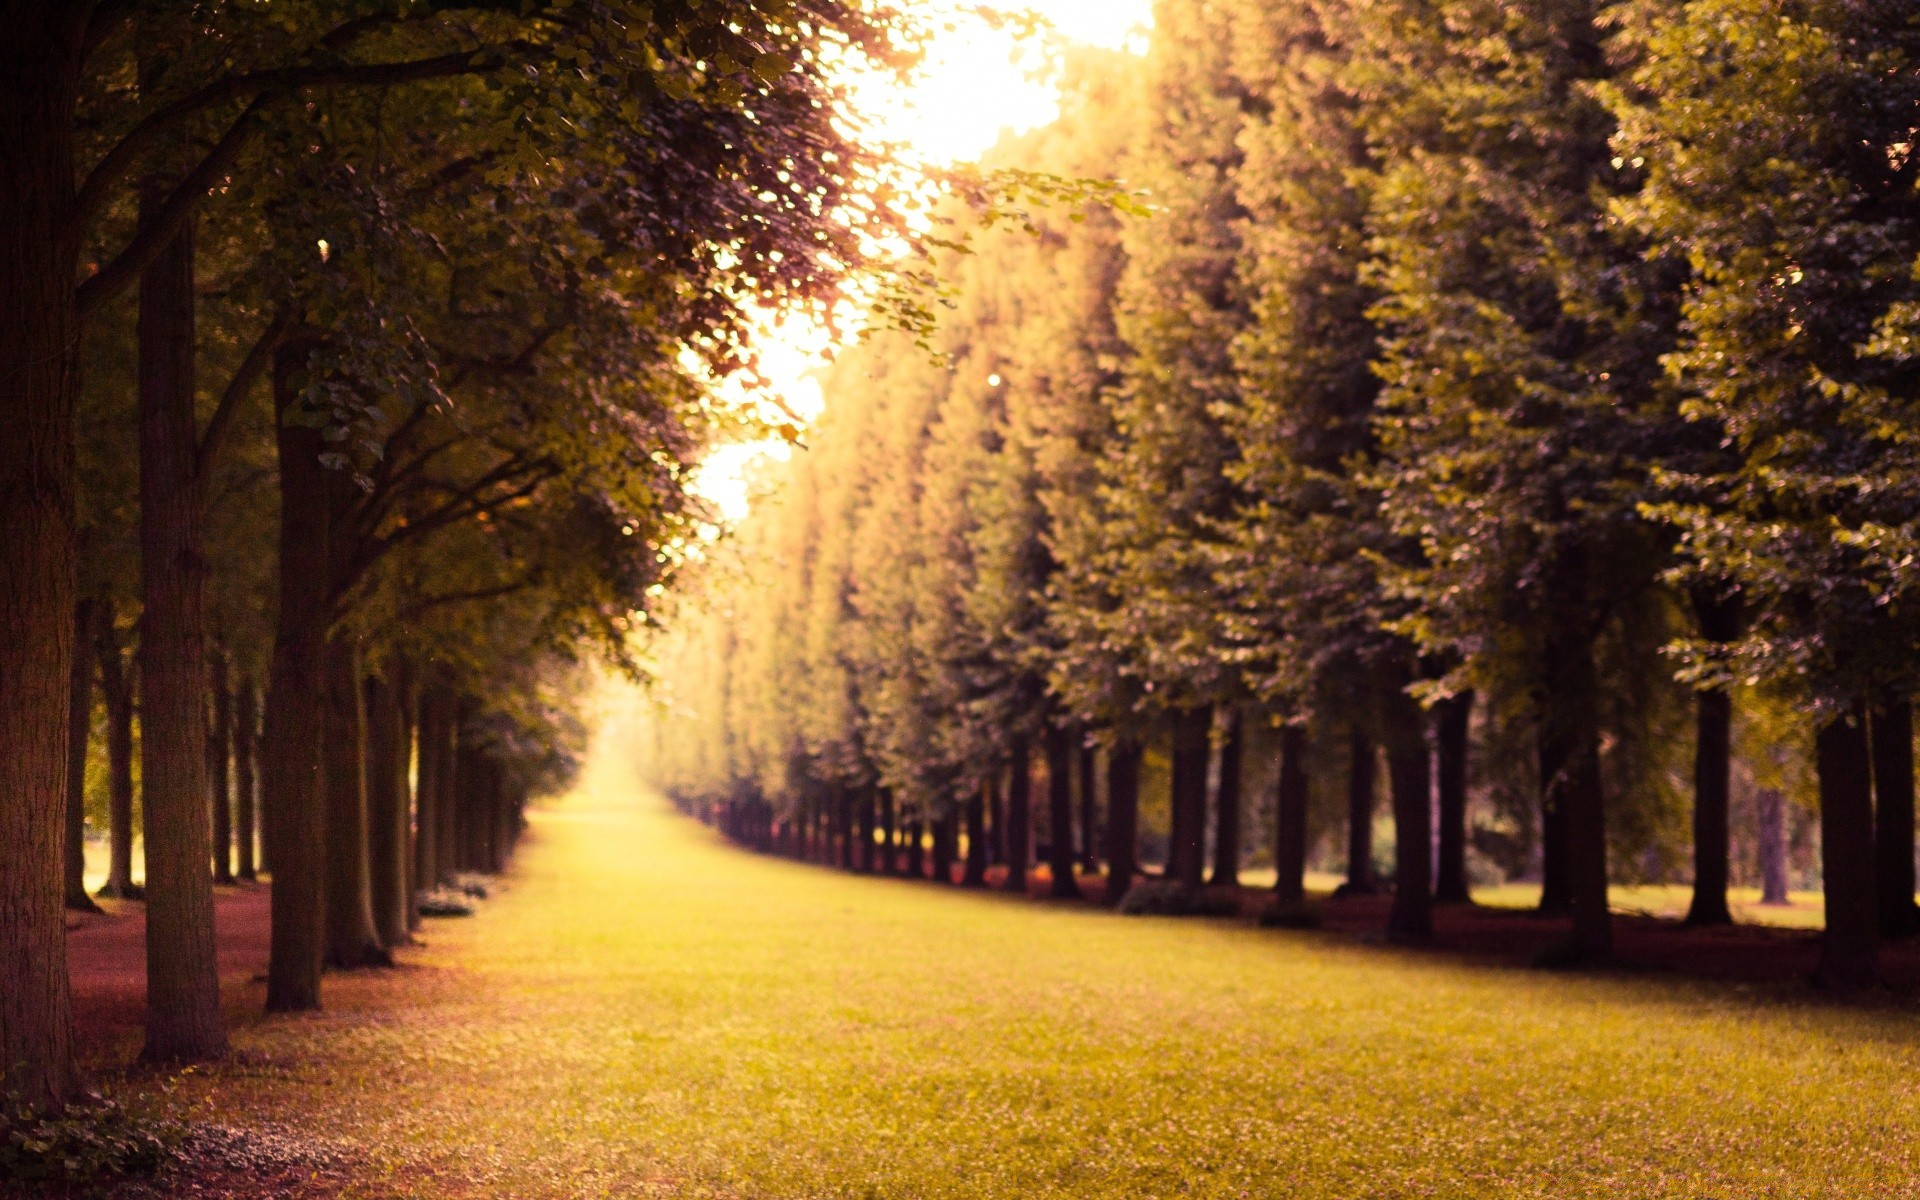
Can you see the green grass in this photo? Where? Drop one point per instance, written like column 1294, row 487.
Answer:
column 648, row 1012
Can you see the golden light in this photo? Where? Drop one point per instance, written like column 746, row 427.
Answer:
column 977, row 82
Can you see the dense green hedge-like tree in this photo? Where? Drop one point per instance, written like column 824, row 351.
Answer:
column 1777, row 145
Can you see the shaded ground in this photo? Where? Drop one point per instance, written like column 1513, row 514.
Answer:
column 647, row 1012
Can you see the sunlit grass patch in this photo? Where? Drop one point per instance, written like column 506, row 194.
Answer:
column 645, row 1011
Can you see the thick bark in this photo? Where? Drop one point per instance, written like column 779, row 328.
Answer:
column 117, row 690
column 976, row 866
column 1850, row 947
column 1123, row 816
column 1410, row 782
column 246, row 806
column 1570, row 728
column 1712, row 759
column 79, row 731
column 183, row 975
column 1452, row 721
column 1192, row 747
column 389, row 827
column 997, row 824
column 40, row 65
column 1060, row 756
column 292, row 783
column 1772, row 839
column 946, row 832
column 1019, row 824
column 220, row 768
column 352, row 938
column 1290, row 819
column 1360, row 786
column 1226, row 819
column 1089, row 811
column 1892, row 732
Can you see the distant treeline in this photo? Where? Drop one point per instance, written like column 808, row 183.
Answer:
column 1522, row 396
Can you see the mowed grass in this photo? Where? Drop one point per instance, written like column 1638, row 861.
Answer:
column 646, row 1011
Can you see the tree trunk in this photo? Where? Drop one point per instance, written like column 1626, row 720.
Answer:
column 1192, row 747
column 889, row 861
column 433, row 732
column 1360, row 786
column 1555, row 897
column 1019, row 831
column 1712, row 762
column 220, row 768
column 446, row 805
column 41, row 58
column 1892, row 732
column 117, row 690
column 867, row 857
column 1290, row 820
column 975, row 874
column 1410, row 782
column 389, row 827
column 79, row 733
column 1226, row 820
column 1571, row 731
column 1772, row 839
column 352, row 938
column 1089, row 810
column 1060, row 756
column 946, row 832
column 1850, row 947
column 246, row 724
column 916, row 850
column 292, row 778
column 997, row 833
column 1123, row 816
column 183, row 975
column 1452, row 723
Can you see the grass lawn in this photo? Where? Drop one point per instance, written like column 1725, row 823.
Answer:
column 647, row 1012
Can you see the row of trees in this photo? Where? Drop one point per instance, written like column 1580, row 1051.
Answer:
column 355, row 356
column 1513, row 378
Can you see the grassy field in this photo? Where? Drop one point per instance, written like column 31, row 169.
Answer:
column 646, row 1012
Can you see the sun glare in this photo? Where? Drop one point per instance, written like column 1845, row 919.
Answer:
column 976, row 83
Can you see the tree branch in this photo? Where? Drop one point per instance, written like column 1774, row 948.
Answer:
column 154, row 235
column 249, row 372
column 258, row 85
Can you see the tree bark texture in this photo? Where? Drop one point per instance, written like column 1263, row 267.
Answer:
column 1290, row 819
column 117, row 690
column 1555, row 898
column 1226, row 820
column 1060, row 856
column 975, row 873
column 1772, row 839
column 352, row 938
column 79, row 733
column 447, row 804
column 1452, row 723
column 292, row 779
column 1410, row 782
column 220, row 767
column 389, row 824
column 1192, row 747
column 1360, row 786
column 1123, row 816
column 1712, row 764
column 183, row 976
column 1850, row 946
column 1892, row 731
column 1019, row 824
column 246, row 781
column 946, row 833
column 916, row 850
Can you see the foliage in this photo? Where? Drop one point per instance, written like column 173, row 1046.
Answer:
column 93, row 1139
